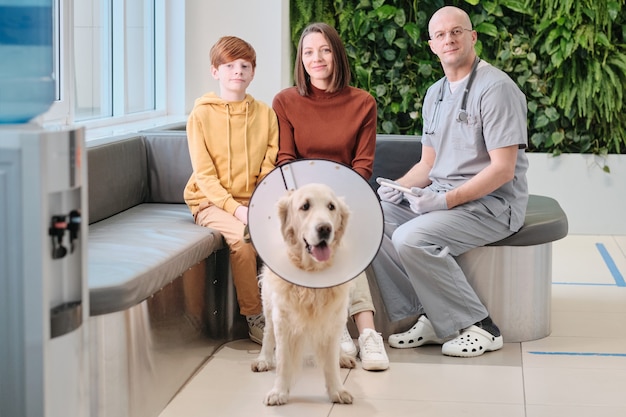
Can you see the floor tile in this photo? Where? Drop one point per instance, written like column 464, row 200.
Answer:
column 575, row 352
column 440, row 383
column 574, row 411
column 408, row 408
column 575, row 386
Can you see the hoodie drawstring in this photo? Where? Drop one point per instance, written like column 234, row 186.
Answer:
column 230, row 163
column 246, row 150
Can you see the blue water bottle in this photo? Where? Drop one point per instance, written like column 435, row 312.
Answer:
column 26, row 63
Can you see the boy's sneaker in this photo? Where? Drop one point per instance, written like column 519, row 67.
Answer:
column 347, row 344
column 372, row 351
column 256, row 325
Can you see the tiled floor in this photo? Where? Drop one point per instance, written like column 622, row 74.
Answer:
column 578, row 371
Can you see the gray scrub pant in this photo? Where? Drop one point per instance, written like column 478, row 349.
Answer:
column 416, row 269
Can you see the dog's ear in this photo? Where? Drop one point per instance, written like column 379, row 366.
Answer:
column 286, row 227
column 344, row 214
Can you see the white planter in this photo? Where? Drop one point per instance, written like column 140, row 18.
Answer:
column 593, row 200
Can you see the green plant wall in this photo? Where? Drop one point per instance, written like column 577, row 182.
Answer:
column 568, row 56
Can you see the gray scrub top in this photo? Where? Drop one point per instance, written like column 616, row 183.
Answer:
column 496, row 117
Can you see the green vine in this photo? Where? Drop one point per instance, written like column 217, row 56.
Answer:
column 568, row 56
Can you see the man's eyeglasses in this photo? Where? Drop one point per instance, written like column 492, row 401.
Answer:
column 454, row 33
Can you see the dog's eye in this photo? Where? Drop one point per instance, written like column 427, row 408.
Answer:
column 331, row 206
column 305, row 206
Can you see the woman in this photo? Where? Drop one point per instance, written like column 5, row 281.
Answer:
column 322, row 117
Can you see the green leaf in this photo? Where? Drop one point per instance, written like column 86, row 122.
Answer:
column 375, row 3
column 518, row 6
column 613, row 9
column 390, row 34
column 385, row 12
column 400, row 17
column 488, row 29
column 389, row 54
column 401, row 43
column 557, row 137
column 413, row 31
column 557, row 58
column 552, row 114
column 542, row 121
column 387, row 126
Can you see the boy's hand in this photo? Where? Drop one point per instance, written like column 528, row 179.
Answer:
column 241, row 213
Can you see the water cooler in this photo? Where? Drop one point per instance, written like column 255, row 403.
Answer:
column 44, row 298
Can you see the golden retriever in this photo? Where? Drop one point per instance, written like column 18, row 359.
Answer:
column 313, row 220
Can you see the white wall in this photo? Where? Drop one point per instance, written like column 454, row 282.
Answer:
column 262, row 23
column 592, row 199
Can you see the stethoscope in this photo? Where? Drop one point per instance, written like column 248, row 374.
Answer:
column 462, row 116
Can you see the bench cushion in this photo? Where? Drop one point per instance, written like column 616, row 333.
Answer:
column 137, row 252
column 545, row 222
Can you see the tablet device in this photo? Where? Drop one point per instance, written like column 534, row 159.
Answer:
column 394, row 185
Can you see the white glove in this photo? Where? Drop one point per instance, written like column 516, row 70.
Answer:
column 424, row 200
column 389, row 194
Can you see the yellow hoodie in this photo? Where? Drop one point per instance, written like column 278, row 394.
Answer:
column 232, row 146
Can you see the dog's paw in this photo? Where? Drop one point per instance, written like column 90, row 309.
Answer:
column 341, row 396
column 347, row 361
column 261, row 365
column 275, row 397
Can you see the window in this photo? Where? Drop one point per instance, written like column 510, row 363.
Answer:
column 114, row 58
column 109, row 61
column 92, row 59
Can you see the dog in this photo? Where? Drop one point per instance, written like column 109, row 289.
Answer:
column 313, row 221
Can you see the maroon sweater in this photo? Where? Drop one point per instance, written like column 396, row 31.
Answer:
column 340, row 127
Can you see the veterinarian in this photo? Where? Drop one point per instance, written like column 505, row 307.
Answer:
column 323, row 117
column 233, row 143
column 469, row 189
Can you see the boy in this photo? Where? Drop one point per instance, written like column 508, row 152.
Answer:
column 233, row 143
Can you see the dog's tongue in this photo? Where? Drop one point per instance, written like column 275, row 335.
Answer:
column 321, row 252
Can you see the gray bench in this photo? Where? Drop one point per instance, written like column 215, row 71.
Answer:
column 161, row 300
column 513, row 277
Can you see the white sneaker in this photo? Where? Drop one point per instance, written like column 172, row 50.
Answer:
column 347, row 344
column 372, row 351
column 256, row 326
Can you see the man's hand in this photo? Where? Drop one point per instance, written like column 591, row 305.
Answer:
column 389, row 194
column 424, row 200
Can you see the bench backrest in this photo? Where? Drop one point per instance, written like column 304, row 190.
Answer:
column 395, row 155
column 117, row 177
column 169, row 167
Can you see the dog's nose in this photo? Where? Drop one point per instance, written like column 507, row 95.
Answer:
column 324, row 230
